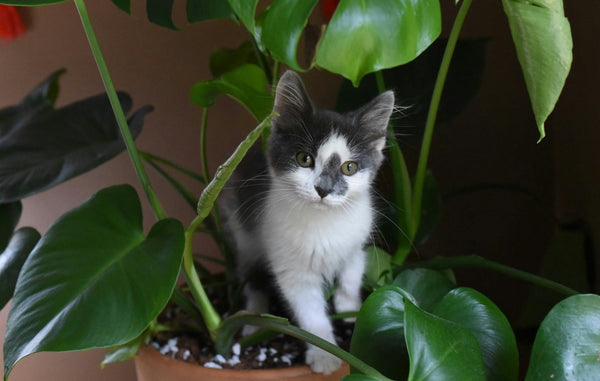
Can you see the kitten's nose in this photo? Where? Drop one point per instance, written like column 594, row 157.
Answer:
column 322, row 191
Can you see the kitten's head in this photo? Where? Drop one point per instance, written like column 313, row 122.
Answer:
column 324, row 157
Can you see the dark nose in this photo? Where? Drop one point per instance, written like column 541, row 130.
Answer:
column 322, row 191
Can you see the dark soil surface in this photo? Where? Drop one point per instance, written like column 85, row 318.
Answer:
column 279, row 352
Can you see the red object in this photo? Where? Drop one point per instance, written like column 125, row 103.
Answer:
column 328, row 7
column 11, row 25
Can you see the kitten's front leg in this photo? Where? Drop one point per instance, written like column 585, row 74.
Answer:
column 304, row 293
column 256, row 301
column 347, row 296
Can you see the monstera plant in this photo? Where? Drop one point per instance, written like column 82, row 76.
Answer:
column 416, row 324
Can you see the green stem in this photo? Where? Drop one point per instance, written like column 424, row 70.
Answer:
column 433, row 110
column 262, row 60
column 212, row 190
column 204, row 159
column 281, row 325
column 210, row 315
column 118, row 111
column 187, row 195
column 474, row 261
column 380, row 81
column 276, row 68
column 205, row 205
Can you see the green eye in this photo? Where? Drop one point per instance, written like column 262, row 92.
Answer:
column 349, row 168
column 304, row 159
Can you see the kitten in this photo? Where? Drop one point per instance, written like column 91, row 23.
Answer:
column 302, row 215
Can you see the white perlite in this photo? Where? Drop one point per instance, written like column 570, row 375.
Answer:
column 213, row 365
column 236, row 349
column 169, row 347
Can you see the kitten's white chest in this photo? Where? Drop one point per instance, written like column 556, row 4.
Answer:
column 304, row 238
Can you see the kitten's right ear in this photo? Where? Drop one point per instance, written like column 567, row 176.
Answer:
column 291, row 98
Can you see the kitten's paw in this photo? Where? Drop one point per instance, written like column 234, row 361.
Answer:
column 321, row 361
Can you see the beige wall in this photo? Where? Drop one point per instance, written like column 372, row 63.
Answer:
column 493, row 140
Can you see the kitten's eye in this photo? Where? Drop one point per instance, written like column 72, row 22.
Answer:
column 349, row 168
column 304, row 159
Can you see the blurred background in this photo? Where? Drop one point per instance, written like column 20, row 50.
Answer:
column 491, row 141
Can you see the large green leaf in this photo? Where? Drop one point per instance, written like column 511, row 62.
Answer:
column 281, row 28
column 388, row 32
column 542, row 37
column 413, row 84
column 12, row 260
column 567, row 345
column 378, row 337
column 472, row 310
column 428, row 287
column 378, row 271
column 247, row 84
column 440, row 349
column 431, row 209
column 224, row 60
column 94, row 280
column 245, row 10
column 41, row 147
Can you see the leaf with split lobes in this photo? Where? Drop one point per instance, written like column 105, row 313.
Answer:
column 247, row 84
column 245, row 10
column 41, row 147
column 281, row 26
column 389, row 33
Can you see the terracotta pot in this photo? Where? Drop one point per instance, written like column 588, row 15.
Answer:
column 150, row 365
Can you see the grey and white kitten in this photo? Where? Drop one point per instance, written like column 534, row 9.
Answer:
column 302, row 215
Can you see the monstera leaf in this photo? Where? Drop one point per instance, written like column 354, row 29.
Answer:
column 41, row 147
column 542, row 37
column 289, row 16
column 94, row 279
column 567, row 344
column 160, row 12
column 246, row 84
column 388, row 32
column 423, row 328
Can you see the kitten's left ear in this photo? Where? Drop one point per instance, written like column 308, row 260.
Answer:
column 375, row 115
column 291, row 98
